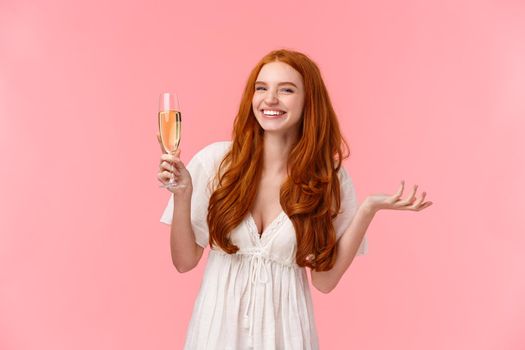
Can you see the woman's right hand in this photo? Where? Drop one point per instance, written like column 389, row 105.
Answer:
column 171, row 166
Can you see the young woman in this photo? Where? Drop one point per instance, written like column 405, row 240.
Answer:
column 271, row 202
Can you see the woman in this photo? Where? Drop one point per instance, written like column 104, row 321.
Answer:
column 270, row 202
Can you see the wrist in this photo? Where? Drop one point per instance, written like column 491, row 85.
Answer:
column 182, row 194
column 369, row 207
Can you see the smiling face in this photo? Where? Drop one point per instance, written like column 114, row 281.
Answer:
column 278, row 98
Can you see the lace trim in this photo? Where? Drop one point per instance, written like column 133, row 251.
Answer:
column 274, row 225
column 247, row 253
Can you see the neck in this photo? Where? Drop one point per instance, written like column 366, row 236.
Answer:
column 277, row 148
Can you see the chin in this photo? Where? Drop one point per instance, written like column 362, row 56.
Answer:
column 274, row 129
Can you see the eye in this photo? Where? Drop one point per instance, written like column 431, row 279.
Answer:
column 288, row 90
column 258, row 88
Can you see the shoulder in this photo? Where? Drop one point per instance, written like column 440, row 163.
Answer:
column 211, row 155
column 343, row 175
column 346, row 183
column 213, row 151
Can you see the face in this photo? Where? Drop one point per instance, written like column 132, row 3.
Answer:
column 278, row 98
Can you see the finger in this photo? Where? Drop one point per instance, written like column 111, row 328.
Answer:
column 163, row 179
column 169, row 167
column 401, row 188
column 418, row 203
column 165, row 176
column 426, row 205
column 400, row 191
column 410, row 199
column 167, row 157
column 171, row 156
column 179, row 165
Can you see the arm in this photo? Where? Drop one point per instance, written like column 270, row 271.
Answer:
column 185, row 253
column 187, row 208
column 347, row 246
column 349, row 242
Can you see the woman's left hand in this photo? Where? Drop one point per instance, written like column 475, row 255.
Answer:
column 380, row 201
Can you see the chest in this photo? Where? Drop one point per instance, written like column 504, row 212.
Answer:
column 266, row 207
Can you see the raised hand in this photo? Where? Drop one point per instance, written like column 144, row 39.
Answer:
column 380, row 201
column 171, row 166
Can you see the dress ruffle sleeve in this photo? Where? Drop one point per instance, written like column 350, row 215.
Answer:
column 349, row 206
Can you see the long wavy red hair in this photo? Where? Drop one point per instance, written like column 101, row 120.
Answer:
column 310, row 196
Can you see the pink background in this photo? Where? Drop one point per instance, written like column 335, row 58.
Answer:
column 427, row 91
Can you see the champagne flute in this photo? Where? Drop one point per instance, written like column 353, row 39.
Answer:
column 170, row 123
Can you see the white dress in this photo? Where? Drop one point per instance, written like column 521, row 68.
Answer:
column 258, row 298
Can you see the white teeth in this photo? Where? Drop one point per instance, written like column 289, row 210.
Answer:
column 268, row 112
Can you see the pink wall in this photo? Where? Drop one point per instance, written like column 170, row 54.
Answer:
column 430, row 91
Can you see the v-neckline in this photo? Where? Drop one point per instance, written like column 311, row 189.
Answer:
column 270, row 226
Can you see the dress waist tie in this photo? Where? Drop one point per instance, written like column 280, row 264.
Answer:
column 258, row 274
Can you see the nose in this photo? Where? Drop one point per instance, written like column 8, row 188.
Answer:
column 270, row 97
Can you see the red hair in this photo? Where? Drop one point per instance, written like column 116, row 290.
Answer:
column 310, row 196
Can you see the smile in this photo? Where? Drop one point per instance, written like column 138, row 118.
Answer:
column 273, row 113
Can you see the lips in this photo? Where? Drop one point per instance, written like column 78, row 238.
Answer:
column 274, row 116
column 277, row 116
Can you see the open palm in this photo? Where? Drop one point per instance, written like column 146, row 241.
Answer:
column 384, row 201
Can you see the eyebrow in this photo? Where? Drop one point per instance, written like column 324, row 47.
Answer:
column 282, row 83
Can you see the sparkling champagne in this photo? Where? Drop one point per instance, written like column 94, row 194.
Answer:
column 170, row 123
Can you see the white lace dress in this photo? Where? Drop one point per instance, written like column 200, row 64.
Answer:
column 258, row 298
